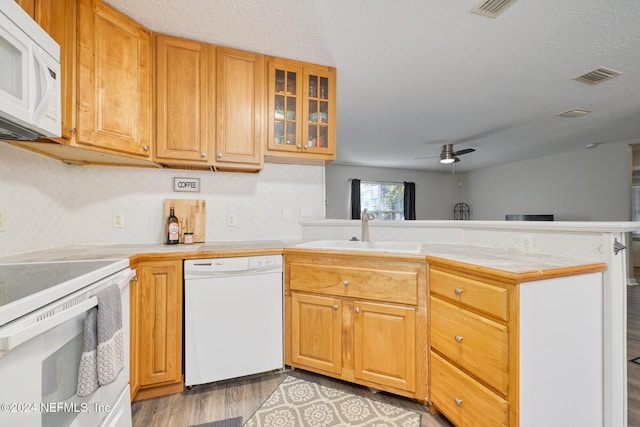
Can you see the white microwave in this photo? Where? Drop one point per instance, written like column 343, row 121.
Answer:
column 29, row 77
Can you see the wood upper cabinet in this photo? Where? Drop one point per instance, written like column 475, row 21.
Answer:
column 59, row 19
column 301, row 112
column 239, row 110
column 359, row 319
column 184, row 101
column 114, row 81
column 159, row 327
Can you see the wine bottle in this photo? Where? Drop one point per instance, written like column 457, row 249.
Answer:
column 173, row 228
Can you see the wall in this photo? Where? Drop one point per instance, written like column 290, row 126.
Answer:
column 584, row 185
column 47, row 203
column 436, row 193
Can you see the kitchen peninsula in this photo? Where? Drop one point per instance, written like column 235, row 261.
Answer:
column 510, row 280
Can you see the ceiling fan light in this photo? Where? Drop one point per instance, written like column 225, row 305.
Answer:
column 447, row 156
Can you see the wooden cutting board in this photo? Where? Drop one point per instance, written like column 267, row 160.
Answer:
column 192, row 215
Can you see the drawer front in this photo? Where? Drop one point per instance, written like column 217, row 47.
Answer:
column 481, row 296
column 478, row 345
column 377, row 284
column 462, row 399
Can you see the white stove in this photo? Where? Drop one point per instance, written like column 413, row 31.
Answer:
column 42, row 326
column 25, row 287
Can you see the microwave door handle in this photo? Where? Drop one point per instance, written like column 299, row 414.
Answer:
column 17, row 334
column 44, row 83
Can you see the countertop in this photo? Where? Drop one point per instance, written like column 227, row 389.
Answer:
column 510, row 265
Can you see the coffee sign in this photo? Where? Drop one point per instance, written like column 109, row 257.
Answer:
column 188, row 185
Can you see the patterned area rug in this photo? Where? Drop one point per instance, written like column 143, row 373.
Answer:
column 297, row 403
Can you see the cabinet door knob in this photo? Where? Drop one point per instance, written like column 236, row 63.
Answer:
column 203, row 154
column 335, row 307
column 458, row 291
column 220, row 155
column 299, row 146
column 306, row 146
column 145, row 148
column 458, row 401
column 357, row 309
column 458, row 338
column 346, row 283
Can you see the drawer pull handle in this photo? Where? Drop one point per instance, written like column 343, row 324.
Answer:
column 335, row 307
column 357, row 309
column 458, row 338
column 346, row 283
column 458, row 291
column 458, row 402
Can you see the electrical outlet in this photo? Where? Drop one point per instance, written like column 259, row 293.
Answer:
column 526, row 243
column 1, row 221
column 231, row 220
column 117, row 221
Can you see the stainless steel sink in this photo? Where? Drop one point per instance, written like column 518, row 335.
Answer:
column 350, row 245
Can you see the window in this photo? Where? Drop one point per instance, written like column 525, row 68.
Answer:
column 385, row 200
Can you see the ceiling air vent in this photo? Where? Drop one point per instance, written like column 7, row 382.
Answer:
column 576, row 112
column 598, row 75
column 492, row 8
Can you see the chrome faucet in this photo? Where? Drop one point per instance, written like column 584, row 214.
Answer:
column 366, row 217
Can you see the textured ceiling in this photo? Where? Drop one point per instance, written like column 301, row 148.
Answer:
column 414, row 74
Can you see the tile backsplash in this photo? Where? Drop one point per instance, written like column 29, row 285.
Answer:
column 47, row 203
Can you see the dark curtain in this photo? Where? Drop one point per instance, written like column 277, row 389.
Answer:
column 409, row 200
column 355, row 199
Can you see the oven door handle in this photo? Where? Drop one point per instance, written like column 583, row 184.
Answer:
column 19, row 333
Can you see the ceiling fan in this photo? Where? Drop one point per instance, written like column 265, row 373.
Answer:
column 448, row 155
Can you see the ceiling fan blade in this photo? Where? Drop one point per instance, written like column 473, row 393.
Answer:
column 465, row 151
column 427, row 157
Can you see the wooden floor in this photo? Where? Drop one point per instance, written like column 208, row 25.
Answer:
column 243, row 397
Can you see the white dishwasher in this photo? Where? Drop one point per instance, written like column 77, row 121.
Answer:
column 233, row 317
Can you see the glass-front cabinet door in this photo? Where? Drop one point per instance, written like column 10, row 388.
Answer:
column 301, row 110
column 319, row 116
column 285, row 107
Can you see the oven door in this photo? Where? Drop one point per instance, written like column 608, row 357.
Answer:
column 40, row 372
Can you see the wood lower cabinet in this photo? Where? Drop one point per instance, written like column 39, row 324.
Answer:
column 158, row 328
column 512, row 352
column 358, row 318
column 134, row 336
column 316, row 331
column 384, row 344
